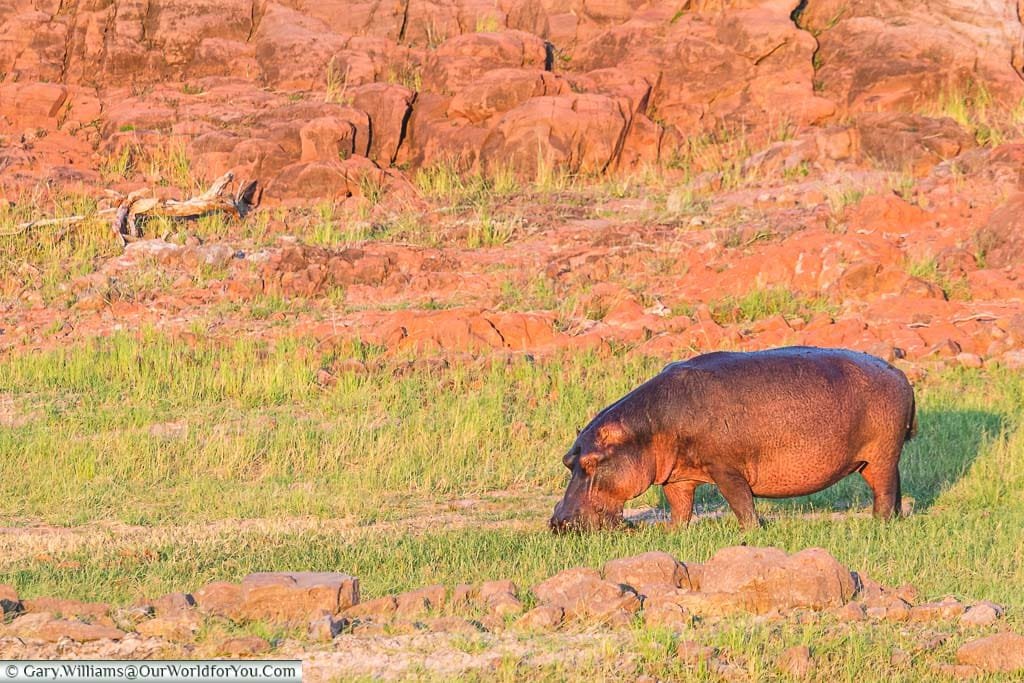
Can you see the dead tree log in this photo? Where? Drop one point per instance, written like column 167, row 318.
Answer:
column 141, row 203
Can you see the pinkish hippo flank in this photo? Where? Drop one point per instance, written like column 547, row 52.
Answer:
column 779, row 423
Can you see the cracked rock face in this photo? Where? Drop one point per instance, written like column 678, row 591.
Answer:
column 311, row 97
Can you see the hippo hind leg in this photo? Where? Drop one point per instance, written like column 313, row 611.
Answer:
column 882, row 474
column 737, row 493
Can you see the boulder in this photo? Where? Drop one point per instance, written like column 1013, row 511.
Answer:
column 1001, row 240
column 243, row 646
column 889, row 55
column 666, row 613
column 172, row 603
column 68, row 608
column 414, row 603
column 1002, row 652
column 648, row 573
column 981, row 614
column 283, row 597
column 462, row 60
column 582, row 593
column 389, row 107
column 325, row 628
column 762, row 579
column 32, row 104
column 541, row 618
column 499, row 597
column 335, row 138
column 945, row 610
column 576, row 133
column 902, row 141
column 380, row 609
column 851, row 611
column 219, row 598
column 44, row 626
column 178, row 627
column 501, row 90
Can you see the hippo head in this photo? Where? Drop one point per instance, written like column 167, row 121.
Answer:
column 607, row 468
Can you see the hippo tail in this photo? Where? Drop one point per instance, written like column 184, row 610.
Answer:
column 912, row 422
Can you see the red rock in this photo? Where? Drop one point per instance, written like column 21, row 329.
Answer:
column 43, row 626
column 946, row 610
column 462, row 60
column 766, row 578
column 500, row 598
column 1000, row 241
column 334, row 138
column 981, row 614
column 1003, row 652
column 67, row 608
column 646, row 573
column 32, row 104
column 582, row 593
column 324, row 628
column 903, row 141
column 887, row 56
column 179, row 627
column 296, row 597
column 851, row 611
column 219, row 598
column 969, row 360
column 541, row 618
column 665, row 613
column 572, row 133
column 326, row 179
column 501, row 90
column 173, row 603
column 379, row 609
column 413, row 603
column 243, row 646
column 388, row 107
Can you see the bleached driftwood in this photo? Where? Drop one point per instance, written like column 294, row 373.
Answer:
column 130, row 207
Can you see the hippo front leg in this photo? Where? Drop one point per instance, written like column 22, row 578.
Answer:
column 736, row 491
column 679, row 495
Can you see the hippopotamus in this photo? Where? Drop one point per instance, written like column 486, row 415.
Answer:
column 773, row 424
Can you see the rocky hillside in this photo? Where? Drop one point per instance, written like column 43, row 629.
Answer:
column 309, row 95
column 674, row 175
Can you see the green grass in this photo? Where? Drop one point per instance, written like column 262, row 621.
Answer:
column 43, row 257
column 929, row 270
column 761, row 303
column 270, row 440
column 972, row 106
column 264, row 439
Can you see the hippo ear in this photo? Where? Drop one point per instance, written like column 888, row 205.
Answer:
column 612, row 434
column 590, row 461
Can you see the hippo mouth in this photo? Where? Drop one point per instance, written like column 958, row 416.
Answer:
column 582, row 521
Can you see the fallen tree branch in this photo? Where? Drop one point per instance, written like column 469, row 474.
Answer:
column 141, row 203
column 217, row 198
